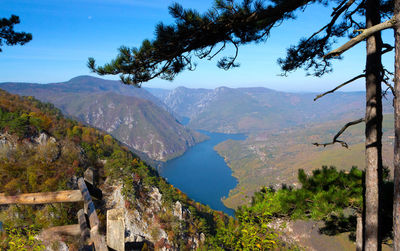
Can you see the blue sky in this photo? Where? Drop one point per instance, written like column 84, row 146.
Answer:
column 67, row 32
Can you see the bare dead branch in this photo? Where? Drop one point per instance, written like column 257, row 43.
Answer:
column 387, row 48
column 339, row 86
column 389, row 85
column 364, row 35
column 385, row 92
column 335, row 140
column 388, row 72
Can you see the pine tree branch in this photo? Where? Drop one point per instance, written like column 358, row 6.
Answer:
column 350, row 15
column 339, row 86
column 193, row 33
column 387, row 48
column 220, row 49
column 335, row 140
column 361, row 37
column 335, row 15
column 389, row 86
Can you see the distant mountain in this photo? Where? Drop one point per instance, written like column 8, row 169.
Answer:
column 245, row 110
column 132, row 115
column 81, row 84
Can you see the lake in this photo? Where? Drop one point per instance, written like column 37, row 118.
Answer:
column 202, row 174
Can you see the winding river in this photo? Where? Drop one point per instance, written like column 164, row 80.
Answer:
column 202, row 174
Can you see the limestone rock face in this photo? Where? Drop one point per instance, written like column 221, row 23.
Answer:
column 178, row 210
column 44, row 138
column 135, row 227
column 7, row 143
column 142, row 221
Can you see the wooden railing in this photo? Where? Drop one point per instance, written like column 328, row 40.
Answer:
column 89, row 231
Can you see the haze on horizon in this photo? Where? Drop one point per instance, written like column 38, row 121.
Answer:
column 65, row 33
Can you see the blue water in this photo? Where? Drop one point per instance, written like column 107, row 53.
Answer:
column 202, row 174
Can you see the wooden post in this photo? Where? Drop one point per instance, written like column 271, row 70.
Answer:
column 99, row 241
column 88, row 204
column 94, row 191
column 90, row 176
column 85, row 232
column 42, row 198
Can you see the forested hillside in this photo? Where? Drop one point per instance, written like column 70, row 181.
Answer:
column 132, row 115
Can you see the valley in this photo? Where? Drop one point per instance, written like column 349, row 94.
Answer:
column 201, row 157
column 281, row 128
column 279, row 134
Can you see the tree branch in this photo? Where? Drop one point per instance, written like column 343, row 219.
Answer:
column 364, row 35
column 339, row 86
column 212, row 56
column 335, row 15
column 387, row 48
column 389, row 86
column 335, row 140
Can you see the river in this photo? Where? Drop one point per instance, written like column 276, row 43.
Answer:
column 202, row 174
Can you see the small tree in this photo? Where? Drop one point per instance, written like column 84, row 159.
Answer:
column 335, row 197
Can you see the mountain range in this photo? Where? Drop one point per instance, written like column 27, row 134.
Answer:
column 249, row 110
column 132, row 115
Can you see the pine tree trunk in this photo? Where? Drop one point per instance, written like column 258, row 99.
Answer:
column 373, row 130
column 359, row 233
column 396, row 197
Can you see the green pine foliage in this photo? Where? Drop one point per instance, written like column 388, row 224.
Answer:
column 226, row 23
column 327, row 191
column 328, row 195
